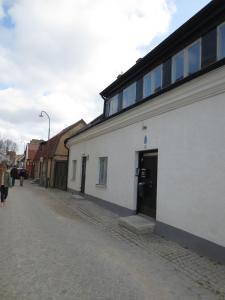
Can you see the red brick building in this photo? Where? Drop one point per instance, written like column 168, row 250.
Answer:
column 30, row 152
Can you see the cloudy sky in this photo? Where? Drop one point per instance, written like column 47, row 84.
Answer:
column 58, row 55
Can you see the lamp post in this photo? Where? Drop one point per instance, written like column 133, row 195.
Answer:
column 41, row 115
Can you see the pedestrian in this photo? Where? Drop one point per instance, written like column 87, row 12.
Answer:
column 5, row 180
column 13, row 174
column 21, row 175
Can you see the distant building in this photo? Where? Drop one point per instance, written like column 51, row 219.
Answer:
column 158, row 148
column 51, row 159
column 19, row 160
column 30, row 152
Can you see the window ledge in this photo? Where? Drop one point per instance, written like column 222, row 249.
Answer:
column 102, row 186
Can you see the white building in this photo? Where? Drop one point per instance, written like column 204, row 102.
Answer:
column 159, row 147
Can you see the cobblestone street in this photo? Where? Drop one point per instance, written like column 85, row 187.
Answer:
column 53, row 246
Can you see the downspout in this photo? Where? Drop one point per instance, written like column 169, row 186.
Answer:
column 105, row 101
column 50, row 174
column 68, row 154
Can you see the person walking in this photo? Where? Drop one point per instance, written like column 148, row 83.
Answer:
column 13, row 174
column 5, row 181
column 22, row 175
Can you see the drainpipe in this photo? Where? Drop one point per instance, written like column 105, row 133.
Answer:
column 50, row 175
column 68, row 153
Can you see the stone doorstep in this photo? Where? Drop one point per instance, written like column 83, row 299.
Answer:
column 138, row 224
column 76, row 196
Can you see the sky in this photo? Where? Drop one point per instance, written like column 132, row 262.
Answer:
column 57, row 56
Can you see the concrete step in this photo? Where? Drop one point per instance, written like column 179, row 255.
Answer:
column 138, row 224
column 76, row 196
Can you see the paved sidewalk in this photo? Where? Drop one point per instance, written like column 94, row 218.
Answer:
column 201, row 270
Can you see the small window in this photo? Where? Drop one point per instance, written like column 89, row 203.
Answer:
column 193, row 58
column 221, row 41
column 113, row 105
column 74, row 170
column 129, row 95
column 103, row 162
column 178, row 67
column 157, row 79
column 147, row 85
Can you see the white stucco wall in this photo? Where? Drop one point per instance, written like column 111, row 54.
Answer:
column 191, row 161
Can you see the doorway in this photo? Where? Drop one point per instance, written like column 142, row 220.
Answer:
column 147, row 183
column 60, row 178
column 83, row 174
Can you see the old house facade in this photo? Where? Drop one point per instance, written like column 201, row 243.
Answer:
column 29, row 155
column 158, row 148
column 52, row 157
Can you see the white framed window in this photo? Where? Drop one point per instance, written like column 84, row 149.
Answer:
column 129, row 95
column 187, row 61
column 221, row 41
column 113, row 105
column 103, row 165
column 193, row 57
column 147, row 85
column 74, row 170
column 178, row 66
column 152, row 82
column 157, row 79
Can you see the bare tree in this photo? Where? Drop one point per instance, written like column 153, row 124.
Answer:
column 7, row 145
column 10, row 145
column 2, row 146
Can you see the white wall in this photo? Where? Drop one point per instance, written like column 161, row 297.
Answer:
column 191, row 165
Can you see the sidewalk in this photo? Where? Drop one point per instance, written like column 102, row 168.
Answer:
column 201, row 270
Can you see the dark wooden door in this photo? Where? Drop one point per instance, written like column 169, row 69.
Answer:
column 60, row 180
column 83, row 174
column 147, row 183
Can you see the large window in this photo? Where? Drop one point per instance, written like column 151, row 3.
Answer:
column 103, row 163
column 74, row 169
column 157, row 79
column 193, row 58
column 113, row 105
column 221, row 41
column 178, row 66
column 186, row 62
column 147, row 85
column 152, row 82
column 129, row 95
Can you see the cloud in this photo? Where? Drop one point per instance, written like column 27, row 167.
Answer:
column 61, row 54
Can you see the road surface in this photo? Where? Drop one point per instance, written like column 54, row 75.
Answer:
column 49, row 252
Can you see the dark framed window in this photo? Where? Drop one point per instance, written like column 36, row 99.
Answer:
column 221, row 41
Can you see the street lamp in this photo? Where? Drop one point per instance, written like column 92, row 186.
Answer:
column 41, row 115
